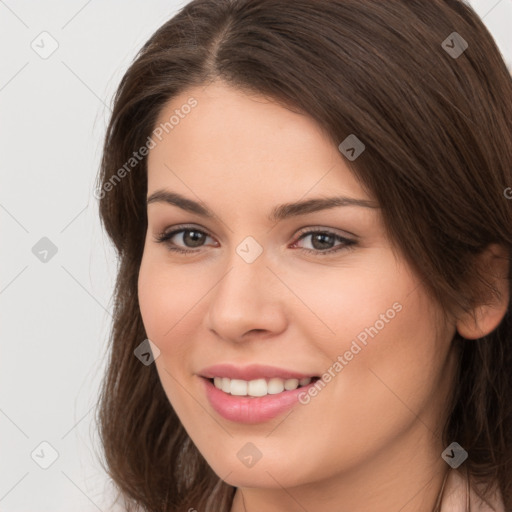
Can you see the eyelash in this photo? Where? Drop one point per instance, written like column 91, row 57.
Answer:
column 165, row 237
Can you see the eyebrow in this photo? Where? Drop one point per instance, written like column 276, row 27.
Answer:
column 278, row 213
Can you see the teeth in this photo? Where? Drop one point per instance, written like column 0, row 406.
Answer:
column 238, row 387
column 291, row 384
column 258, row 387
column 275, row 386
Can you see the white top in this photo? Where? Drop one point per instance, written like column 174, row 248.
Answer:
column 455, row 497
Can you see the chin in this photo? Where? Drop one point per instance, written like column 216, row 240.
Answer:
column 270, row 475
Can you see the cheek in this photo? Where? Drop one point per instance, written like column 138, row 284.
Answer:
column 359, row 300
column 165, row 297
column 386, row 327
column 382, row 387
column 166, row 301
column 381, row 349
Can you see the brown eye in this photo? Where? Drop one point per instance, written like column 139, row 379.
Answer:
column 193, row 238
column 322, row 242
column 190, row 238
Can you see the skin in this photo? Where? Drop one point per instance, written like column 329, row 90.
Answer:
column 370, row 439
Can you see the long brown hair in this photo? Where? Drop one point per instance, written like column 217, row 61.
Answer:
column 437, row 130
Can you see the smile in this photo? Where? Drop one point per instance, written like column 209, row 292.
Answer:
column 249, row 409
column 258, row 387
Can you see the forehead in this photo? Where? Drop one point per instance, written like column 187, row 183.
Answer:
column 233, row 143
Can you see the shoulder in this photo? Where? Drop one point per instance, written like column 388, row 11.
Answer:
column 458, row 493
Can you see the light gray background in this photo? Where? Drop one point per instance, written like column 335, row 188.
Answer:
column 56, row 314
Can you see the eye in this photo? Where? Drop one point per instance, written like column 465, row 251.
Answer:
column 322, row 241
column 191, row 237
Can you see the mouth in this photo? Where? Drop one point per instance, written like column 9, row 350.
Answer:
column 258, row 400
column 259, row 387
column 254, row 393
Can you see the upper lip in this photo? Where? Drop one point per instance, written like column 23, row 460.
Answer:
column 250, row 372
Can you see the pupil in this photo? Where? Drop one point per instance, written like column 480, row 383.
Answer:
column 322, row 238
column 196, row 241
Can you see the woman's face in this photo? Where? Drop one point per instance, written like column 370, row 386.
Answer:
column 271, row 299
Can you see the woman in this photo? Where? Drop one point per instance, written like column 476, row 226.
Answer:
column 309, row 203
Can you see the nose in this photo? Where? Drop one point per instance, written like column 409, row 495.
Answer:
column 247, row 302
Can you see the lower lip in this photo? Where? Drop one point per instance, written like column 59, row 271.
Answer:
column 243, row 409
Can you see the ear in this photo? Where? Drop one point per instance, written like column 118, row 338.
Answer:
column 484, row 318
